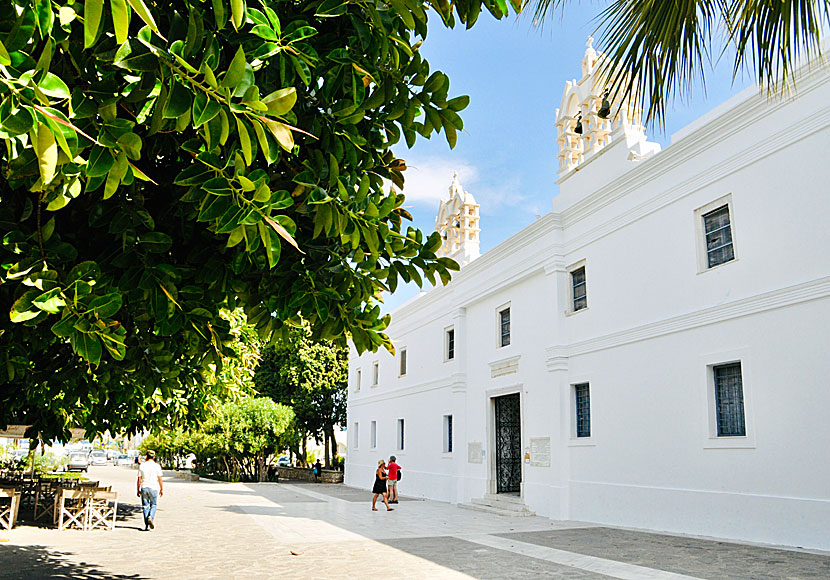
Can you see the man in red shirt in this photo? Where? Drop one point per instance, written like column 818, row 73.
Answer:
column 393, row 468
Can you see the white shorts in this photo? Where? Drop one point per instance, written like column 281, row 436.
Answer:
column 392, row 482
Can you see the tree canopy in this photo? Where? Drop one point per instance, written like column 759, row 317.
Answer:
column 310, row 377
column 164, row 161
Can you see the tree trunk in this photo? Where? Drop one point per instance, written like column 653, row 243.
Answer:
column 303, row 454
column 326, row 448
column 333, row 440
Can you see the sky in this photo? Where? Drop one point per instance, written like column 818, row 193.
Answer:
column 515, row 75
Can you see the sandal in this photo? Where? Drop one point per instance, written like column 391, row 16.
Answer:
column 390, row 509
column 374, row 509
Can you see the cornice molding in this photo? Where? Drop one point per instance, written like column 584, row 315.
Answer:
column 813, row 290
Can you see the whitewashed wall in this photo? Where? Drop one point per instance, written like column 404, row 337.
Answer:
column 653, row 324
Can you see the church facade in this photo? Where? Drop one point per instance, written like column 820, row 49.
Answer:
column 654, row 353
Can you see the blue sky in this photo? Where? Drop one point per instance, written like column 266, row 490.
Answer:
column 506, row 155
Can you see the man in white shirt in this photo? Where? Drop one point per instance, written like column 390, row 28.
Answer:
column 150, row 487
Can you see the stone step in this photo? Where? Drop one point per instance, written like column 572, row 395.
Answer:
column 504, row 497
column 503, row 505
column 497, row 510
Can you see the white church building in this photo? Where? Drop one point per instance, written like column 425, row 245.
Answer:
column 654, row 353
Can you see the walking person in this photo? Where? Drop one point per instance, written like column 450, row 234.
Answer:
column 318, row 471
column 150, row 488
column 380, row 486
column 394, row 476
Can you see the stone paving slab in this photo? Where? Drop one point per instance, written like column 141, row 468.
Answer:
column 707, row 559
column 212, row 530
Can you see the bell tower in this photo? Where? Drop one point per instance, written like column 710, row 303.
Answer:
column 458, row 224
column 588, row 119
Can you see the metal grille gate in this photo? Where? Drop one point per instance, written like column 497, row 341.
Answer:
column 508, row 444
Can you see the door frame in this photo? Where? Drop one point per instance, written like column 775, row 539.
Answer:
column 491, row 395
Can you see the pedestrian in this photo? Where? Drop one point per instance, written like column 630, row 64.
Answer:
column 394, row 476
column 318, row 471
column 380, row 486
column 150, row 488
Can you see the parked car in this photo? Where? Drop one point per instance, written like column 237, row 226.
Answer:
column 78, row 461
column 98, row 457
column 123, row 459
column 284, row 461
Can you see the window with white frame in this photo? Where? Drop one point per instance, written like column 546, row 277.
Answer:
column 400, row 435
column 504, row 327
column 403, row 362
column 579, row 289
column 356, row 436
column 357, row 381
column 716, row 234
column 449, row 344
column 447, row 433
column 375, row 373
column 373, row 434
column 729, row 400
column 582, row 407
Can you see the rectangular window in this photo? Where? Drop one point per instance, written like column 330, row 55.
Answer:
column 373, row 441
column 403, row 362
column 729, row 400
column 400, row 434
column 504, row 327
column 718, row 231
column 447, row 433
column 450, row 344
column 580, row 289
column 357, row 381
column 582, row 397
column 375, row 374
column 356, row 436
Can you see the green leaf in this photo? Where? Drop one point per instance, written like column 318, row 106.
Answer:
column 93, row 9
column 458, row 103
column 130, row 143
column 100, row 161
column 244, row 141
column 262, row 139
column 50, row 301
column 120, row 20
column 106, row 306
column 65, row 326
column 23, row 309
column 115, row 342
column 281, row 132
column 88, row 270
column 155, row 242
column 264, row 32
column 204, row 109
column 178, row 102
column 145, row 15
column 281, row 101
column 46, row 150
column 5, row 59
column 116, row 174
column 236, row 70
column 237, row 13
column 87, row 346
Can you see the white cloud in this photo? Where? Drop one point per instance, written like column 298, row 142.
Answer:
column 428, row 179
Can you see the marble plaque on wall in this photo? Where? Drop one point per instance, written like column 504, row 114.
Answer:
column 474, row 452
column 540, row 451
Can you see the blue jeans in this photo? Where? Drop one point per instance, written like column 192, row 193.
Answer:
column 149, row 501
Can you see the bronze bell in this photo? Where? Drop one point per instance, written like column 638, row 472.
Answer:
column 578, row 126
column 605, row 109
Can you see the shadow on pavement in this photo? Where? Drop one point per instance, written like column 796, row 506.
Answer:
column 38, row 562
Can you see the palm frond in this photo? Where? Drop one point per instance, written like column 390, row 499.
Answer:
column 655, row 49
column 773, row 35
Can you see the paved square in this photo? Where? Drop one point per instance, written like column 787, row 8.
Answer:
column 207, row 530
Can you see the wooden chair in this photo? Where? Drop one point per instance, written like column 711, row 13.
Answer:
column 101, row 513
column 45, row 500
column 8, row 512
column 73, row 509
